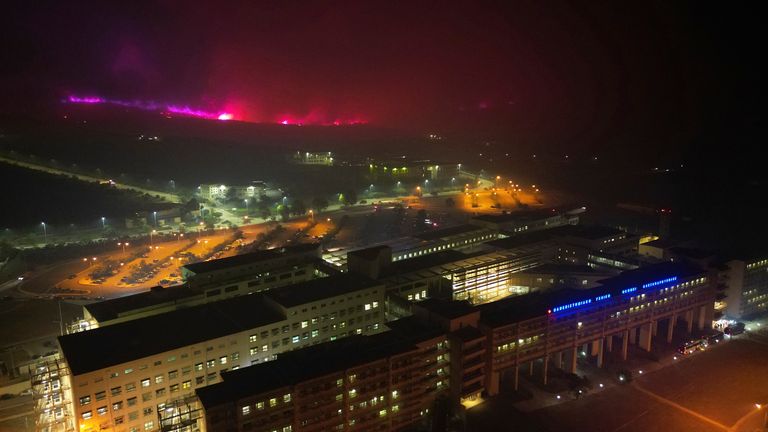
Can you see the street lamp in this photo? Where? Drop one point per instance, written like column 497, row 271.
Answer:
column 155, row 215
column 123, row 244
column 45, row 233
column 103, row 222
column 246, row 205
column 199, row 230
column 151, row 233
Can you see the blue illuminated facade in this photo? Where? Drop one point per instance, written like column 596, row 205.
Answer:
column 608, row 296
column 659, row 282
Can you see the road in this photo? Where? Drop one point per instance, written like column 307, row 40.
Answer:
column 163, row 195
column 712, row 391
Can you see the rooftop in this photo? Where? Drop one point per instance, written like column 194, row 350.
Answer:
column 318, row 289
column 520, row 308
column 424, row 262
column 449, row 309
column 370, row 253
column 301, row 365
column 448, row 232
column 111, row 309
column 250, row 258
column 591, row 232
column 560, row 269
column 123, row 342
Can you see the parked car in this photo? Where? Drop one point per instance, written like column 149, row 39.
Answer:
column 734, row 329
column 715, row 338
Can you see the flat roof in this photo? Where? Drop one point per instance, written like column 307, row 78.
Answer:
column 528, row 238
column 522, row 216
column 318, row 289
column 448, row 232
column 370, row 253
column 560, row 268
column 423, row 262
column 250, row 258
column 447, row 308
column 113, row 308
column 123, row 342
column 520, row 308
column 592, row 232
column 294, row 367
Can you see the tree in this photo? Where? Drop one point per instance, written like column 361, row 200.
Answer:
column 283, row 211
column 320, row 203
column 263, row 208
column 298, row 207
column 349, row 197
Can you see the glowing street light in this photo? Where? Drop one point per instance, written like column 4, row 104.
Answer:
column 123, row 244
column 45, row 233
column 151, row 233
column 103, row 222
column 154, row 213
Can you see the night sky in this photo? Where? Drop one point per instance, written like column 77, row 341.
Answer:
column 579, row 74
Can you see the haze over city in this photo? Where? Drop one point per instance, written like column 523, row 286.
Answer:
column 398, row 216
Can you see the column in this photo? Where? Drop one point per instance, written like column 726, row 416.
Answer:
column 655, row 327
column 546, row 362
column 597, row 347
column 559, row 360
column 671, row 327
column 609, row 343
column 645, row 336
column 632, row 335
column 706, row 314
column 624, row 344
column 570, row 359
column 599, row 352
column 493, row 383
column 517, row 376
column 689, row 320
column 530, row 369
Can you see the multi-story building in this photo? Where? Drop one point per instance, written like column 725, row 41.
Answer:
column 746, row 283
column 381, row 382
column 312, row 158
column 248, row 272
column 211, row 281
column 221, row 191
column 123, row 376
column 460, row 237
column 390, row 381
column 550, row 327
column 526, row 221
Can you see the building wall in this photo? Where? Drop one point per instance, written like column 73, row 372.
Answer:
column 133, row 392
column 386, row 394
column 535, row 338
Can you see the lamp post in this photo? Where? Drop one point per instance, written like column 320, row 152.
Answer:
column 151, row 233
column 45, row 233
column 154, row 213
column 123, row 244
column 199, row 230
column 103, row 222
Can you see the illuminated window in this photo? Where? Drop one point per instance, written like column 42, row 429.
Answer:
column 246, row 410
column 272, row 402
column 87, row 415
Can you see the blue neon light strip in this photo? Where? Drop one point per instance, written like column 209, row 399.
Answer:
column 572, row 305
column 659, row 282
column 607, row 296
